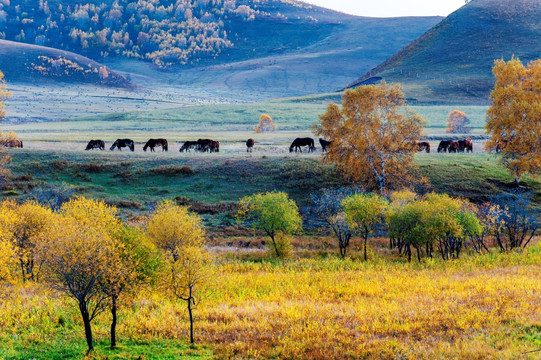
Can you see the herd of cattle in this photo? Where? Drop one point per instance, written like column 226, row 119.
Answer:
column 208, row 145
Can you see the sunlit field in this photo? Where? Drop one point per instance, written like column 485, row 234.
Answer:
column 482, row 307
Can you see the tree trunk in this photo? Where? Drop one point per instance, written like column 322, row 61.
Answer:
column 418, row 254
column 86, row 321
column 190, row 311
column 365, row 243
column 113, row 323
column 275, row 247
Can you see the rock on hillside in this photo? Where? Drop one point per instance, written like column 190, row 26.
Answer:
column 452, row 62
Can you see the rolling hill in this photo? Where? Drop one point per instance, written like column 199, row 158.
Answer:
column 452, row 62
column 37, row 64
column 169, row 33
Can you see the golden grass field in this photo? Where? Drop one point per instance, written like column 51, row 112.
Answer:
column 479, row 307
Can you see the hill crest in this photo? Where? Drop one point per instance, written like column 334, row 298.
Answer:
column 453, row 60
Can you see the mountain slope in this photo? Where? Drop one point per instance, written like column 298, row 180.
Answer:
column 452, row 62
column 175, row 32
column 30, row 64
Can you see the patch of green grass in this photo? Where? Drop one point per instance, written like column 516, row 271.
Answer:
column 294, row 117
column 134, row 182
column 57, row 348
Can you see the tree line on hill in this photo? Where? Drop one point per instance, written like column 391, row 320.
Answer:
column 166, row 32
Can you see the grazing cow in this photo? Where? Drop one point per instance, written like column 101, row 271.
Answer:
column 444, row 145
column 122, row 143
column 188, row 145
column 12, row 143
column 152, row 143
column 324, row 143
column 453, row 147
column 250, row 145
column 298, row 143
column 95, row 144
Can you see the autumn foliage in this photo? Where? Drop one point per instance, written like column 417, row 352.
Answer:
column 457, row 123
column 372, row 137
column 514, row 117
column 266, row 124
column 91, row 262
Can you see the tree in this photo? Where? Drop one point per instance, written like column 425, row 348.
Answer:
column 372, row 135
column 364, row 212
column 133, row 263
column 517, row 221
column 514, row 118
column 328, row 207
column 78, row 254
column 8, row 261
column 265, row 124
column 28, row 226
column 179, row 234
column 272, row 212
column 172, row 227
column 457, row 123
column 4, row 94
column 190, row 275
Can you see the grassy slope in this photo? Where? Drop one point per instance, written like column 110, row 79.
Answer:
column 135, row 181
column 17, row 60
column 453, row 60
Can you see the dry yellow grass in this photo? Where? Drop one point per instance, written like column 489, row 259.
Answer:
column 482, row 307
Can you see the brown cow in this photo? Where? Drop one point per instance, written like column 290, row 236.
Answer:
column 250, row 145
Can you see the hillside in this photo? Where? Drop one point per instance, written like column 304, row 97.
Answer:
column 452, row 62
column 32, row 63
column 181, row 32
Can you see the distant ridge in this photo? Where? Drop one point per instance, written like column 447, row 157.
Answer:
column 452, row 62
column 31, row 63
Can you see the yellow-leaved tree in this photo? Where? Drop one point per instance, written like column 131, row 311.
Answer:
column 27, row 226
column 372, row 135
column 179, row 234
column 514, row 117
column 457, row 123
column 266, row 124
column 132, row 265
column 80, row 250
column 4, row 94
column 8, row 261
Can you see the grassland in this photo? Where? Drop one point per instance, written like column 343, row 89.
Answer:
column 293, row 116
column 312, row 306
column 480, row 307
column 212, row 183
